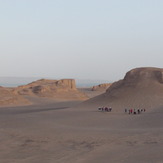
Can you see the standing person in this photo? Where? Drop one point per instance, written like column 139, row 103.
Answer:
column 125, row 110
column 106, row 109
column 134, row 111
column 102, row 108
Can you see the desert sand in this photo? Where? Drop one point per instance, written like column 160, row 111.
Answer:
column 76, row 132
column 55, row 133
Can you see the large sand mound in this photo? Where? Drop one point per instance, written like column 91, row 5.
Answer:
column 140, row 88
column 64, row 89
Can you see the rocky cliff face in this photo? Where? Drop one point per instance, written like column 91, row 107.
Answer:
column 70, row 83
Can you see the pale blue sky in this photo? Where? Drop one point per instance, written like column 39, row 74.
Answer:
column 81, row 39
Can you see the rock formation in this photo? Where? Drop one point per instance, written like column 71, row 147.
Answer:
column 58, row 89
column 101, row 87
column 8, row 97
column 140, row 88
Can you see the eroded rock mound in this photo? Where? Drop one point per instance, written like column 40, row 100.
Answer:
column 8, row 97
column 59, row 89
column 140, row 78
column 101, row 87
column 140, row 88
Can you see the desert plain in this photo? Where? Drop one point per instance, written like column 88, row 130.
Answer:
column 73, row 130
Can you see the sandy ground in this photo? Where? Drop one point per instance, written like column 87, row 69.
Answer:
column 63, row 133
column 90, row 93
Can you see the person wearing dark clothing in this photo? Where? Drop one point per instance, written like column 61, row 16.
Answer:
column 106, row 109
column 125, row 110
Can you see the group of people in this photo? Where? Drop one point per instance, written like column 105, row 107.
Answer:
column 134, row 111
column 127, row 111
column 106, row 109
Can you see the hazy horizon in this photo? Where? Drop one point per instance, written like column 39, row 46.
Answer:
column 17, row 81
column 79, row 39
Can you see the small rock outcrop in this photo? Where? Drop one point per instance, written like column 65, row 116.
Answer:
column 101, row 87
column 8, row 97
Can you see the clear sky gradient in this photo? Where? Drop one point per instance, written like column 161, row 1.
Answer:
column 81, row 39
